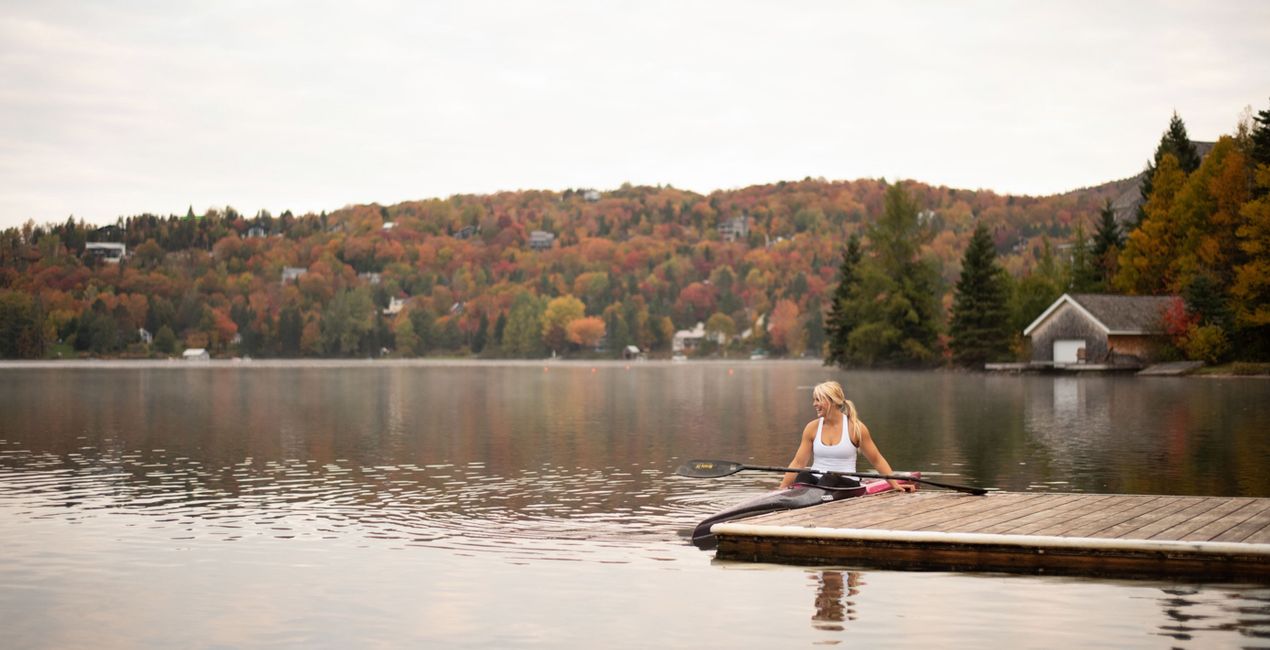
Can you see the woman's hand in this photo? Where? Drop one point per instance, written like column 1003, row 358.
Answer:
column 903, row 487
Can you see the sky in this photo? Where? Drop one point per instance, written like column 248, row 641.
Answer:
column 111, row 109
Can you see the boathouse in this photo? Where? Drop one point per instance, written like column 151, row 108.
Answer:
column 1123, row 331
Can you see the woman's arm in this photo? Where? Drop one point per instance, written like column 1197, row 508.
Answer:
column 802, row 458
column 871, row 452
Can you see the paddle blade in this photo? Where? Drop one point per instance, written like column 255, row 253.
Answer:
column 709, row 468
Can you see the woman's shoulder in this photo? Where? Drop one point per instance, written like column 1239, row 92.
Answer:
column 811, row 426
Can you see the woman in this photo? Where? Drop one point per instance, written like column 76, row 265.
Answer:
column 832, row 442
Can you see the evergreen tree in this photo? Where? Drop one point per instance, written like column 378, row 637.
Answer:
column 980, row 327
column 839, row 325
column 165, row 340
column 422, row 324
column 1108, row 240
column 1175, row 141
column 1250, row 292
column 522, row 337
column 479, row 336
column 1259, row 151
column 815, row 328
column 1083, row 274
column 895, row 305
column 21, row 326
column 290, row 330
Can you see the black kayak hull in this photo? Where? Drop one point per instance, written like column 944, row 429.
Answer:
column 799, row 495
column 791, row 498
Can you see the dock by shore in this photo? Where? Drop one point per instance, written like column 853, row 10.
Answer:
column 1070, row 534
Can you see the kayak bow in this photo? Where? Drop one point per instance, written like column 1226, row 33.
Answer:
column 798, row 495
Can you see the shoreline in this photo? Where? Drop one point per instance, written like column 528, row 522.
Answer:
column 460, row 362
column 179, row 364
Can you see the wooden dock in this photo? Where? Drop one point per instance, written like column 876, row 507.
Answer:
column 1070, row 534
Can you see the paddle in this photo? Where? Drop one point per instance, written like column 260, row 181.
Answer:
column 718, row 468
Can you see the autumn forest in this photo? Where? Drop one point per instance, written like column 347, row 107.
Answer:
column 586, row 274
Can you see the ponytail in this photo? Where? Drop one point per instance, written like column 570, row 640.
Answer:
column 852, row 418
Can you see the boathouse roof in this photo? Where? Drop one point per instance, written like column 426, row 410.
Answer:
column 1114, row 314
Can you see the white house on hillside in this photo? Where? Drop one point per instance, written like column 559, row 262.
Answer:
column 685, row 340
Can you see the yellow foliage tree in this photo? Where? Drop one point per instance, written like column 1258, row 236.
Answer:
column 1151, row 246
column 1251, row 289
column 560, row 312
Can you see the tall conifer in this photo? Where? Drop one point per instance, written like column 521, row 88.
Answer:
column 980, row 327
column 894, row 304
column 1174, row 141
column 1108, row 240
column 1259, row 149
column 840, row 322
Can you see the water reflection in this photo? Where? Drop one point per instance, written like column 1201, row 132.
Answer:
column 835, row 594
column 1191, row 611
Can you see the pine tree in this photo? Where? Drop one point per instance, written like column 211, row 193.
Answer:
column 840, row 322
column 1175, row 141
column 1259, row 149
column 1250, row 293
column 980, row 327
column 1108, row 240
column 1084, row 271
column 894, row 306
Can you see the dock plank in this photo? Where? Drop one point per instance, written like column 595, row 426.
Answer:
column 1191, row 507
column 1123, row 509
column 1218, row 510
column 1001, row 506
column 1209, row 531
column 1164, row 507
column 1024, row 525
column 934, row 506
column 1245, row 530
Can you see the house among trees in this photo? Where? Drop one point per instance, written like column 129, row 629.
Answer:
column 734, row 228
column 196, row 354
column 1104, row 329
column 541, row 240
column 109, row 232
column 290, row 273
column 688, row 340
column 395, row 305
column 591, row 196
column 108, row 252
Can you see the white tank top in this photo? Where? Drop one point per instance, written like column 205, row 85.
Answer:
column 833, row 458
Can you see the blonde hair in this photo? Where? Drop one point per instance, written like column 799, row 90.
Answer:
column 832, row 391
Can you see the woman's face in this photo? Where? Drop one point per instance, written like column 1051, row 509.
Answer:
column 821, row 404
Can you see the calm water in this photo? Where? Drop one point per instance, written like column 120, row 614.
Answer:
column 483, row 505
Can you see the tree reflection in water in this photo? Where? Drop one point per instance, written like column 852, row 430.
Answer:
column 1190, row 610
column 835, row 604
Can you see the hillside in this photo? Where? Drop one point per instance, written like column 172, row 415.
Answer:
column 447, row 275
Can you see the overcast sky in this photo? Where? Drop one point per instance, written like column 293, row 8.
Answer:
column 120, row 108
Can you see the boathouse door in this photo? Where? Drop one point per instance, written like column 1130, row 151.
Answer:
column 1068, row 350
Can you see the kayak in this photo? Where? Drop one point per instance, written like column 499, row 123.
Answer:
column 798, row 495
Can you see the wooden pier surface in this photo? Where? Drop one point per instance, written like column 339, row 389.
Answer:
column 1090, row 534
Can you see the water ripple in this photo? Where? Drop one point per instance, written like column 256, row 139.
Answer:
column 548, row 512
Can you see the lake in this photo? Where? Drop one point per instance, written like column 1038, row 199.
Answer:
column 534, row 504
